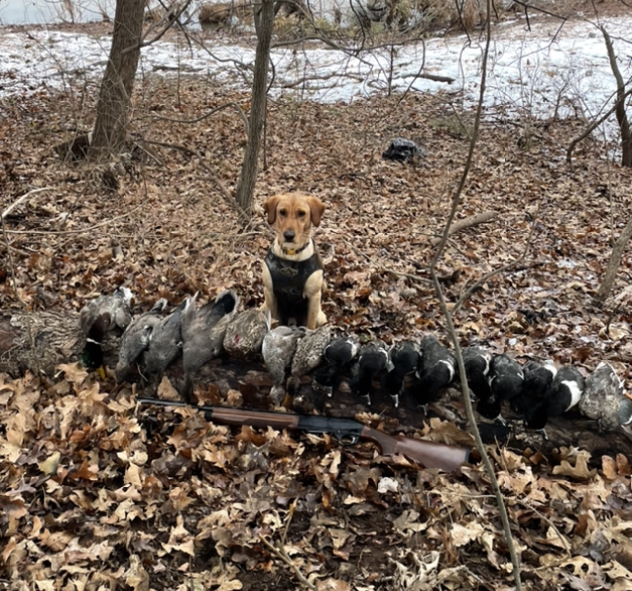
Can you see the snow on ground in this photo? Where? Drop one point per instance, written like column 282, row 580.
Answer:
column 531, row 72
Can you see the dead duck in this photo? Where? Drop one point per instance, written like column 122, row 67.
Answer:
column 309, row 355
column 437, row 368
column 278, row 349
column 165, row 345
column 245, row 333
column 338, row 354
column 203, row 333
column 403, row 359
column 104, row 314
column 372, row 360
column 135, row 339
column 605, row 400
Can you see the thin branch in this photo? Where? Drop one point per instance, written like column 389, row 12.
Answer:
column 223, row 190
column 81, row 231
column 502, row 509
column 470, row 290
column 232, row 104
column 11, row 207
column 595, row 124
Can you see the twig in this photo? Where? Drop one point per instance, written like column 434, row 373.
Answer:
column 467, row 401
column 470, row 290
column 11, row 207
column 280, row 552
column 81, row 231
column 565, row 542
column 223, row 190
column 232, row 104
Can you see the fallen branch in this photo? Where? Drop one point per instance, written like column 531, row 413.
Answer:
column 11, row 207
column 473, row 220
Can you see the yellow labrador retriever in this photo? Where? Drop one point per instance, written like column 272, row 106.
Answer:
column 293, row 270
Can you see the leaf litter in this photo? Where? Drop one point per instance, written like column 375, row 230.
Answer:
column 99, row 494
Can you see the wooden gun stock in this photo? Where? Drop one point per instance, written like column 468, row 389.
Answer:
column 348, row 431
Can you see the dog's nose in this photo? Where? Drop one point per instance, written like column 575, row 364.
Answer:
column 288, row 235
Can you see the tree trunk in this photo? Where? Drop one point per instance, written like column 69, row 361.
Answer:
column 264, row 19
column 110, row 129
column 622, row 119
column 613, row 263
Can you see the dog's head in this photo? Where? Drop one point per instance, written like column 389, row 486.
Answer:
column 292, row 216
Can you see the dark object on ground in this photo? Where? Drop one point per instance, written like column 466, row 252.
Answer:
column 135, row 339
column 477, row 363
column 372, row 360
column 165, row 345
column 203, row 332
column 338, row 354
column 506, row 381
column 403, row 150
column 436, row 371
column 403, row 358
column 425, row 453
column 245, row 333
column 532, row 402
column 310, row 353
column 104, row 314
column 278, row 349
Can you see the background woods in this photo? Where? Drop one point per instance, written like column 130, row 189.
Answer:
column 97, row 493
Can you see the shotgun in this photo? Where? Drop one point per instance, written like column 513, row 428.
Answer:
column 347, row 431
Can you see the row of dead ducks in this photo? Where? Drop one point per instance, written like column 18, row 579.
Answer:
column 417, row 371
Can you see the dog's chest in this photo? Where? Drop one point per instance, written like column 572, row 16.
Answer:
column 289, row 277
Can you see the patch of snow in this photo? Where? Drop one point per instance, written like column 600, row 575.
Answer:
column 533, row 73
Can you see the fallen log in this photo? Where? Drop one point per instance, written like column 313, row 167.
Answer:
column 57, row 338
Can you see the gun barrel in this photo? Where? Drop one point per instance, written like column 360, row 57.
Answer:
column 425, row 453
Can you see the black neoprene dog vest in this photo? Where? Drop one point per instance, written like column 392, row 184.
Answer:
column 288, row 283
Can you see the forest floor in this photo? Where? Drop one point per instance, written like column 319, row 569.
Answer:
column 96, row 494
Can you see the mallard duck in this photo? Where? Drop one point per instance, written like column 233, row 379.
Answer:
column 135, row 339
column 203, row 332
column 605, row 399
column 101, row 315
column 372, row 360
column 245, row 333
column 338, row 354
column 278, row 349
column 403, row 359
column 309, row 355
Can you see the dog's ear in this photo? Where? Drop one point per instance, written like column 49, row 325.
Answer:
column 316, row 208
column 270, row 207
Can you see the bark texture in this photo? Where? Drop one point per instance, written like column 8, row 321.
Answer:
column 114, row 104
column 613, row 263
column 622, row 119
column 264, row 19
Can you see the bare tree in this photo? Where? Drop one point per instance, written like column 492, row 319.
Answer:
column 110, row 128
column 264, row 20
column 622, row 119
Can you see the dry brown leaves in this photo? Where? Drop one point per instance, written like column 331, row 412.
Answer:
column 96, row 491
column 96, row 494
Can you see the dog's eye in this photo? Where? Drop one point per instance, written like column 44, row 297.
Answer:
column 301, row 214
column 282, row 213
